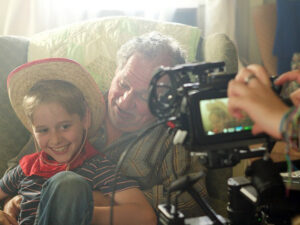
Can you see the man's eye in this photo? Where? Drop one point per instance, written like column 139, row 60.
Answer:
column 144, row 96
column 123, row 85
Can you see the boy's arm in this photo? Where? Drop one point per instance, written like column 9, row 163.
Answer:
column 3, row 195
column 9, row 184
column 12, row 206
column 6, row 219
column 131, row 208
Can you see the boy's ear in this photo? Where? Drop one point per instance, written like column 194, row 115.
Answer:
column 87, row 119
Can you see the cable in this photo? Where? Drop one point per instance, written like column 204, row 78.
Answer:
column 122, row 159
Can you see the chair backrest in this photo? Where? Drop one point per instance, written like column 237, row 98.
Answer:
column 94, row 44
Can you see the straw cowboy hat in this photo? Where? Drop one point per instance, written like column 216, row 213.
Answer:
column 20, row 81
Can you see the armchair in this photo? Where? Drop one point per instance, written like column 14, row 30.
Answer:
column 94, row 44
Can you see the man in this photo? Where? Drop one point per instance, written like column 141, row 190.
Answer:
column 152, row 158
column 153, row 161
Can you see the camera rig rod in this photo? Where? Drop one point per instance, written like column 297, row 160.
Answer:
column 205, row 207
column 186, row 183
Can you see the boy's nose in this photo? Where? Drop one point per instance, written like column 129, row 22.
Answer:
column 54, row 138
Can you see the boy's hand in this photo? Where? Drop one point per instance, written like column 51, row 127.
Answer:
column 6, row 219
column 12, row 207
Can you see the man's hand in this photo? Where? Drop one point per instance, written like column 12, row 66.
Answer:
column 12, row 207
column 100, row 199
column 6, row 219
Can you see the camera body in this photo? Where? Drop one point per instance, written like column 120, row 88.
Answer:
column 194, row 98
column 211, row 127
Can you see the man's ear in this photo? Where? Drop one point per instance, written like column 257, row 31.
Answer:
column 87, row 119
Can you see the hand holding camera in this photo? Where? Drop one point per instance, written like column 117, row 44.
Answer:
column 258, row 100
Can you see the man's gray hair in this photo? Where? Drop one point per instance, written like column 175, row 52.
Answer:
column 151, row 45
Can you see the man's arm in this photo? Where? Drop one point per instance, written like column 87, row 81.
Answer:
column 178, row 161
column 131, row 208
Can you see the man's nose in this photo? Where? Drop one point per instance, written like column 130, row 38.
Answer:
column 127, row 100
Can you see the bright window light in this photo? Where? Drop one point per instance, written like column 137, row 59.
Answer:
column 129, row 5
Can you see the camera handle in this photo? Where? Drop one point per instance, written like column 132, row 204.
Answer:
column 186, row 183
column 205, row 207
column 228, row 157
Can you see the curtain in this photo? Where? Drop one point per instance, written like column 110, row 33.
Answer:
column 220, row 17
column 19, row 17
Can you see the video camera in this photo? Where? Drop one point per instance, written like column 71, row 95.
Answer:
column 193, row 97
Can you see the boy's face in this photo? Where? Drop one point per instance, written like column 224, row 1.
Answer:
column 57, row 132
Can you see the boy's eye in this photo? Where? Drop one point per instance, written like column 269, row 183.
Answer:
column 65, row 126
column 42, row 131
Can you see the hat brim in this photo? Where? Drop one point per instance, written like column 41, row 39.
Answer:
column 21, row 80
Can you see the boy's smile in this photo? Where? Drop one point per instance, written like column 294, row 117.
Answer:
column 57, row 132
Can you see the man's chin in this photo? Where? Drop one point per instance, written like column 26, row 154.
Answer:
column 129, row 128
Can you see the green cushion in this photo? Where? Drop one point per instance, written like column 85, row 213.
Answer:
column 13, row 135
column 94, row 43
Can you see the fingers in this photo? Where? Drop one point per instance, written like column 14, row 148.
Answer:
column 235, row 88
column 288, row 76
column 259, row 103
column 295, row 97
column 259, row 72
column 243, row 74
column 237, row 92
column 234, row 107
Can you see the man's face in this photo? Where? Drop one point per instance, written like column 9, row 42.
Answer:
column 128, row 94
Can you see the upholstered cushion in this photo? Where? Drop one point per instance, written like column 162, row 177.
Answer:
column 13, row 52
column 94, row 43
column 218, row 47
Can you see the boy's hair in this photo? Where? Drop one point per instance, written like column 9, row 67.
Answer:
column 151, row 45
column 55, row 91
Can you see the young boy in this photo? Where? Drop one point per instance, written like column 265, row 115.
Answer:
column 61, row 105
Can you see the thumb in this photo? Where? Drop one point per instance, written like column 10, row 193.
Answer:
column 295, row 97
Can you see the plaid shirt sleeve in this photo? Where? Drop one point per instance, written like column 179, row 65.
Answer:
column 151, row 161
column 178, row 163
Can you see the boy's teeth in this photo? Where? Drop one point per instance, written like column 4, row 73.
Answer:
column 59, row 149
